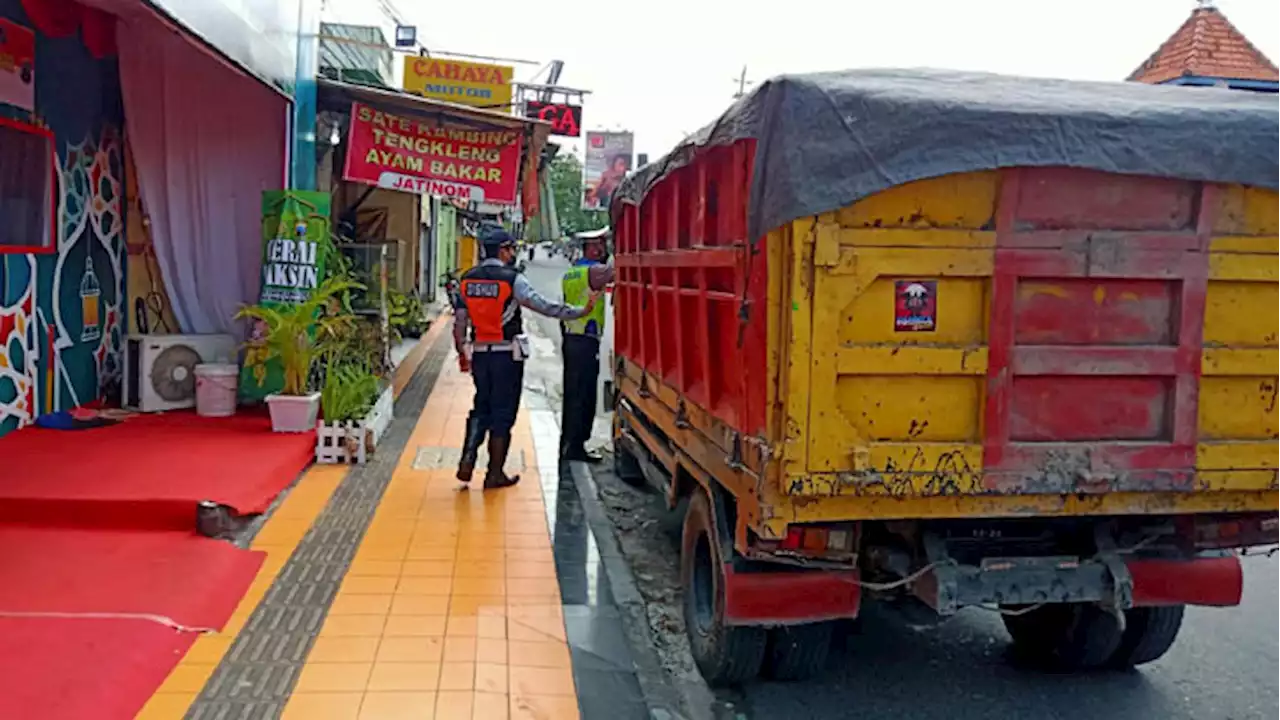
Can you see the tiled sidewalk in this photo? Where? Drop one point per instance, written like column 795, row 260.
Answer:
column 446, row 606
column 451, row 606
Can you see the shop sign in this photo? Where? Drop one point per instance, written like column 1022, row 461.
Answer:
column 295, row 241
column 432, row 156
column 17, row 66
column 466, row 83
column 565, row 119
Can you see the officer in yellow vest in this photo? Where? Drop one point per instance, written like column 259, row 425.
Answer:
column 588, row 275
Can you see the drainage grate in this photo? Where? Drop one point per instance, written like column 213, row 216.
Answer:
column 446, row 458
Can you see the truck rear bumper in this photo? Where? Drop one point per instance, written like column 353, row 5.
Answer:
column 1113, row 581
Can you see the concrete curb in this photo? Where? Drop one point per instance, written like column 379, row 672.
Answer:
column 665, row 699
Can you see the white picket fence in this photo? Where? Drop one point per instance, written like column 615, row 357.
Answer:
column 351, row 442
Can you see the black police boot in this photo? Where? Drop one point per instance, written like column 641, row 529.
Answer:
column 496, row 478
column 470, row 449
column 579, row 454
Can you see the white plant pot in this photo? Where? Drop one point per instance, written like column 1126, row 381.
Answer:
column 294, row 413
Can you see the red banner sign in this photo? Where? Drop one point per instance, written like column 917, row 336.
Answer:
column 432, row 157
column 565, row 119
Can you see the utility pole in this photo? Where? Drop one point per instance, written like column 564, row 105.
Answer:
column 742, row 83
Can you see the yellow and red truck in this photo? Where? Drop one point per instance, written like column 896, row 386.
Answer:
column 955, row 340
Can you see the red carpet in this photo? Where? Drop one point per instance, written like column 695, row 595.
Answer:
column 146, row 472
column 105, row 668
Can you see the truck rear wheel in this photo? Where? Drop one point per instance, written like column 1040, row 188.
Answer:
column 797, row 652
column 1072, row 636
column 626, row 466
column 1149, row 632
column 725, row 654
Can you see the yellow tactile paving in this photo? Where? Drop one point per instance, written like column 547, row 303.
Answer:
column 279, row 537
column 451, row 607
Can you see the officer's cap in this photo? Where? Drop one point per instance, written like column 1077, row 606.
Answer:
column 494, row 238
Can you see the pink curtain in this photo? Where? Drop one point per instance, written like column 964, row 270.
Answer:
column 207, row 140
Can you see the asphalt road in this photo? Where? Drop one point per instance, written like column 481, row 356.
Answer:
column 1225, row 665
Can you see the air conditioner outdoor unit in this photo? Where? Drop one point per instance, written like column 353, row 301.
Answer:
column 160, row 370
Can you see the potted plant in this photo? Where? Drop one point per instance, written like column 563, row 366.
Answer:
column 290, row 333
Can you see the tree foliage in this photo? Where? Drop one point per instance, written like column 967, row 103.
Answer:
column 566, row 186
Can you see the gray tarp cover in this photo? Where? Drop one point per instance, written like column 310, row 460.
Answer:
column 827, row 139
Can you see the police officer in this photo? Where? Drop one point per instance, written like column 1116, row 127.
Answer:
column 489, row 318
column 585, row 279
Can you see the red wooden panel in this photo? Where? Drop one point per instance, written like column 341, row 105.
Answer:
column 1094, row 312
column 1097, row 309
column 1050, row 408
column 1066, row 198
column 684, row 281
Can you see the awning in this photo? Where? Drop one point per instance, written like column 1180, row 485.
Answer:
column 337, row 96
column 593, row 234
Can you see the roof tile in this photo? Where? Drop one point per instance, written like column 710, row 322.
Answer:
column 1207, row 45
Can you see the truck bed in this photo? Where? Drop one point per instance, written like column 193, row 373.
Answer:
column 1092, row 344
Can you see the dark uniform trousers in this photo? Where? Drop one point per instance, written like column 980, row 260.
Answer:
column 499, row 378
column 581, row 372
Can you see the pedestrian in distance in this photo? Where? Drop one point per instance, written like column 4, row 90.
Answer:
column 488, row 334
column 588, row 276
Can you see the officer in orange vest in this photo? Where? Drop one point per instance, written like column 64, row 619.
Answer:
column 489, row 319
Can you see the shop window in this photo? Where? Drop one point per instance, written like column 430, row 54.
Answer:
column 26, row 189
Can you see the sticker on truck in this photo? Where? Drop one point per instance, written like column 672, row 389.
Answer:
column 915, row 305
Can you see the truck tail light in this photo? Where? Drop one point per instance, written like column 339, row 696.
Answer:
column 1212, row 533
column 818, row 540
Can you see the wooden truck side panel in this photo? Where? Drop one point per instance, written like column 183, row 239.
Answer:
column 1067, row 337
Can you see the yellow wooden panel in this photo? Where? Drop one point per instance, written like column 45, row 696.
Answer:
column 965, row 200
column 913, row 237
column 962, row 313
column 911, row 360
column 1238, row 408
column 1242, row 314
column 1230, row 361
column 799, row 279
column 1236, row 455
column 1245, row 244
column 1247, row 211
column 1241, row 266
column 906, row 408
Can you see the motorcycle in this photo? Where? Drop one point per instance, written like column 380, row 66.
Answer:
column 450, row 282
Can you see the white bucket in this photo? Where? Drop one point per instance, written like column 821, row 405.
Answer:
column 216, row 389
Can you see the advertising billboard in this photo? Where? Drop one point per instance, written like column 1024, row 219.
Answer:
column 466, row 83
column 432, row 156
column 607, row 162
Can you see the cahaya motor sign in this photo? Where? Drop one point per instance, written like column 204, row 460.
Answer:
column 467, row 83
column 432, row 156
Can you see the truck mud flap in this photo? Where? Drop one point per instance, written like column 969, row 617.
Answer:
column 789, row 598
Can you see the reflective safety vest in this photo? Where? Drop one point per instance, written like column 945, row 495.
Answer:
column 488, row 291
column 576, row 285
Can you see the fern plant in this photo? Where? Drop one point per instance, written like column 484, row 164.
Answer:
column 349, row 392
column 292, row 331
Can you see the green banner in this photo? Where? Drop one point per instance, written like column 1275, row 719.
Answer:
column 295, row 243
